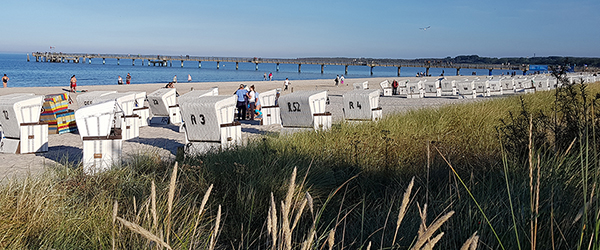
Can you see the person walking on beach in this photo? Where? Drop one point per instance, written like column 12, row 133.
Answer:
column 337, row 80
column 265, row 76
column 5, row 81
column 252, row 102
column 286, row 83
column 394, row 87
column 270, row 76
column 242, row 96
column 175, row 79
column 189, row 78
column 127, row 79
column 342, row 80
column 73, row 84
column 120, row 80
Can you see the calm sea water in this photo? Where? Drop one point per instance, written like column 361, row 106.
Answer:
column 39, row 74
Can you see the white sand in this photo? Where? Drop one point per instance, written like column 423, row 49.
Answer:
column 164, row 140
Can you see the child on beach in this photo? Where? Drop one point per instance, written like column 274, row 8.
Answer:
column 120, row 80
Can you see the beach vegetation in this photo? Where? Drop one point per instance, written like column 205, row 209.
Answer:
column 517, row 172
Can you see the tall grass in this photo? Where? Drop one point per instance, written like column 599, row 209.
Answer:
column 348, row 184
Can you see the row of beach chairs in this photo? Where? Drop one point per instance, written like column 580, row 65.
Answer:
column 106, row 118
column 478, row 87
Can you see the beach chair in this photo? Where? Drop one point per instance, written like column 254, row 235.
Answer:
column 447, row 88
column 402, row 88
column 362, row 105
column 56, row 112
column 480, row 88
column 386, row 88
column 22, row 131
column 304, row 110
column 163, row 107
column 466, row 89
column 430, row 88
column 494, row 87
column 102, row 141
column 414, row 89
column 209, row 123
column 140, row 108
column 508, row 85
column 271, row 113
column 363, row 85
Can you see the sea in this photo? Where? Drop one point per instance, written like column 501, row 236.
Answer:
column 41, row 74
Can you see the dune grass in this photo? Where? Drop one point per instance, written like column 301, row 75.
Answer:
column 344, row 188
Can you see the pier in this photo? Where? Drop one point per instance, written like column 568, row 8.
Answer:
column 167, row 61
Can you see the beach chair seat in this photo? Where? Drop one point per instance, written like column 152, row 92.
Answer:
column 414, row 90
column 270, row 107
column 386, row 88
column 22, row 131
column 102, row 141
column 430, row 88
column 494, row 87
column 209, row 123
column 304, row 110
column 163, row 106
column 448, row 88
column 466, row 89
column 361, row 105
column 361, row 85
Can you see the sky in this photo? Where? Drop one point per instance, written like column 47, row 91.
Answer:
column 291, row 29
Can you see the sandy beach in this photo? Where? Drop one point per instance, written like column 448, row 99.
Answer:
column 164, row 140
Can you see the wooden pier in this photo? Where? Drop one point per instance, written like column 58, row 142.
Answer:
column 164, row 61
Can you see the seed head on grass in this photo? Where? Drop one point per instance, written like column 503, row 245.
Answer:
column 272, row 222
column 286, row 207
column 200, row 212
column 299, row 213
column 114, row 220
column 170, row 200
column 331, row 239
column 425, row 234
column 403, row 207
column 213, row 237
column 143, row 232
column 471, row 243
column 153, row 208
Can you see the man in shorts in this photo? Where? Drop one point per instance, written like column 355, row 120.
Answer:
column 73, row 84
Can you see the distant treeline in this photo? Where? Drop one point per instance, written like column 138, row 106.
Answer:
column 475, row 59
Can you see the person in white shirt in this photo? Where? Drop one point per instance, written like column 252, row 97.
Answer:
column 252, row 102
column 286, row 83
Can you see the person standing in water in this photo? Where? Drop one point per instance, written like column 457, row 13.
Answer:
column 128, row 78
column 189, row 78
column 5, row 81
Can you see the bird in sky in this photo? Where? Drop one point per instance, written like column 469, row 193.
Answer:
column 424, row 29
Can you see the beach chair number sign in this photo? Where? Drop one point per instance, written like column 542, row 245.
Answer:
column 351, row 105
column 293, row 106
column 200, row 117
column 85, row 103
column 155, row 101
column 5, row 114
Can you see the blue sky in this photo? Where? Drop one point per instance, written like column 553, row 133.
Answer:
column 288, row 29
